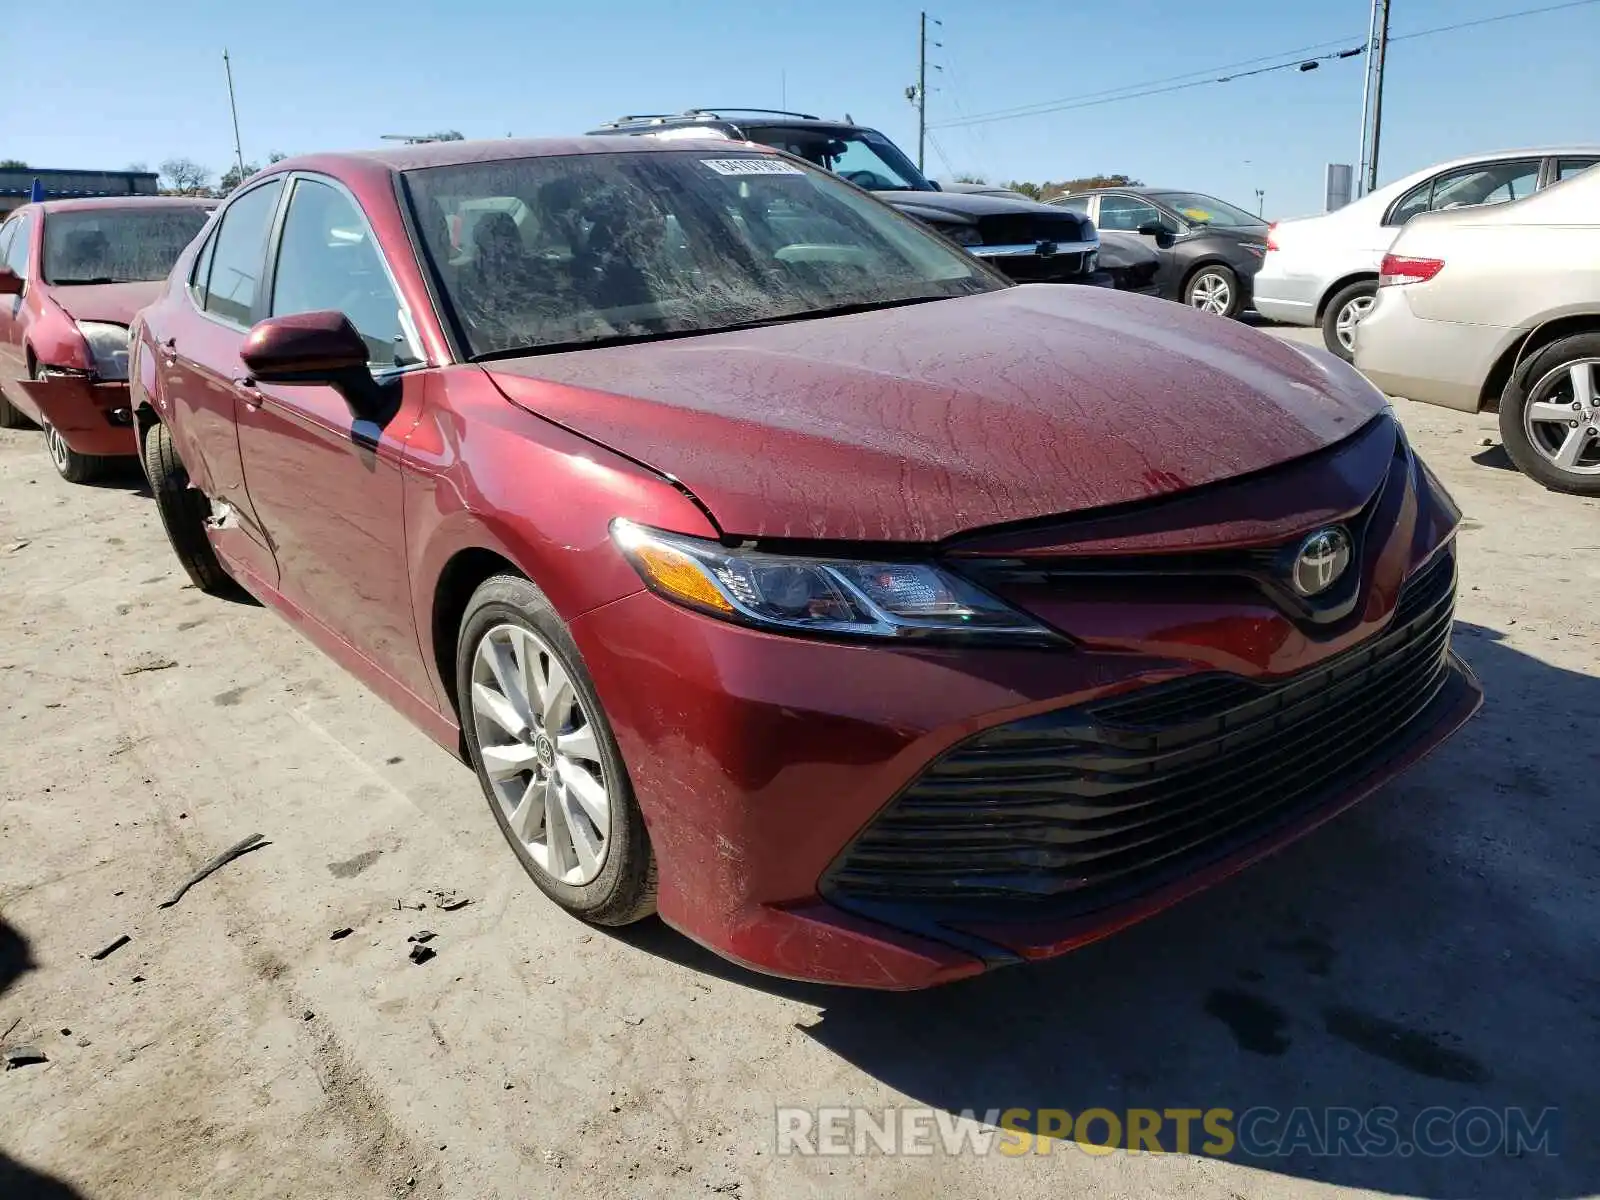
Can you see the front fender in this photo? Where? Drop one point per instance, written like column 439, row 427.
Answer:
column 484, row 475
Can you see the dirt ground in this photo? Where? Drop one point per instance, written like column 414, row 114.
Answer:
column 1440, row 945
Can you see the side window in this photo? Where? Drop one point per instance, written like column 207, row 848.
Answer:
column 1126, row 213
column 7, row 228
column 1416, row 201
column 1078, row 204
column 237, row 252
column 200, row 273
column 1566, row 168
column 21, row 242
column 327, row 260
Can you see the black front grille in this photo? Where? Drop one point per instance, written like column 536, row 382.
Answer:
column 1016, row 229
column 1082, row 806
column 1036, row 268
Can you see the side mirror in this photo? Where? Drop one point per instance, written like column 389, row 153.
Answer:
column 314, row 347
column 934, row 184
column 10, row 282
column 1153, row 229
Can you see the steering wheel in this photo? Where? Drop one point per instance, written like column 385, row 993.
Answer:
column 870, row 180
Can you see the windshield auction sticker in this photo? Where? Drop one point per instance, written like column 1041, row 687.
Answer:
column 751, row 166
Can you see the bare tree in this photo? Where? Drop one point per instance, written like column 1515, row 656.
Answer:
column 446, row 135
column 185, row 177
column 276, row 156
column 138, row 168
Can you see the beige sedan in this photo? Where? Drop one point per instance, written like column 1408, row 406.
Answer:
column 1499, row 307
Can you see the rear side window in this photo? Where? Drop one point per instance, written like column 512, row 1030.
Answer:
column 237, row 254
column 1078, row 204
column 1467, row 187
column 1566, row 168
column 21, row 240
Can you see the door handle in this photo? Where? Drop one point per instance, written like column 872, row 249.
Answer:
column 169, row 349
column 252, row 395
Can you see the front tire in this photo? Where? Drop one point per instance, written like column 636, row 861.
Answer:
column 183, row 512
column 69, row 464
column 1550, row 416
column 1344, row 312
column 546, row 758
column 1214, row 288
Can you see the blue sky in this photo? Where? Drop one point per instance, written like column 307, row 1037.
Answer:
column 97, row 84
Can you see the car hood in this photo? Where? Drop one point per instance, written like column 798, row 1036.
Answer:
column 113, row 302
column 916, row 423
column 969, row 206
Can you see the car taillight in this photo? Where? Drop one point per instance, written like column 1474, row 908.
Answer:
column 1398, row 269
column 1272, row 236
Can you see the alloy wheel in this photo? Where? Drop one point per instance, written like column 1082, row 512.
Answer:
column 1349, row 317
column 60, row 452
column 1211, row 293
column 1562, row 417
column 537, row 742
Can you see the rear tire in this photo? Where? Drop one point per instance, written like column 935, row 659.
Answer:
column 1344, row 313
column 1537, row 407
column 69, row 464
column 11, row 417
column 1213, row 288
column 516, row 665
column 184, row 511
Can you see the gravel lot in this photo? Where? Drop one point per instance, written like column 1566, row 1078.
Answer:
column 1440, row 945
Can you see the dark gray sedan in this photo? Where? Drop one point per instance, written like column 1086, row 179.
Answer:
column 1210, row 250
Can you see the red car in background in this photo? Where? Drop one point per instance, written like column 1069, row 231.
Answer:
column 782, row 568
column 72, row 274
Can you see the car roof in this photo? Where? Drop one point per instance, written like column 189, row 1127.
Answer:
column 100, row 203
column 448, row 154
column 765, row 117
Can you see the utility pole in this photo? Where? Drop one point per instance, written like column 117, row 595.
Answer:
column 1261, row 202
column 238, row 151
column 1377, row 93
column 918, row 95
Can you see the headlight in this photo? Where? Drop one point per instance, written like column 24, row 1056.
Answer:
column 820, row 595
column 1091, row 261
column 108, row 348
column 961, row 235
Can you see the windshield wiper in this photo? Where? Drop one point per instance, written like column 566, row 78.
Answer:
column 86, row 280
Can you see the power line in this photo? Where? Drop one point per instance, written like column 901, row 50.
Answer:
column 1176, row 82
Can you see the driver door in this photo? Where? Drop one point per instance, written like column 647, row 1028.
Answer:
column 1130, row 214
column 325, row 483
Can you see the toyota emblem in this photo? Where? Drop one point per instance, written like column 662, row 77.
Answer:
column 1321, row 561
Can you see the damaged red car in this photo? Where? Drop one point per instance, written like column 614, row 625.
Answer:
column 780, row 568
column 72, row 274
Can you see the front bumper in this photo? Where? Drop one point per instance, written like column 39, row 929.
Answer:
column 1434, row 362
column 92, row 417
column 1024, row 263
column 764, row 763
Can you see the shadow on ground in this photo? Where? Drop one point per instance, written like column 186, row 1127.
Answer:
column 1433, row 952
column 18, row 1182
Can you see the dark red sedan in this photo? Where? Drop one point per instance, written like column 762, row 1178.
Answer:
column 72, row 274
column 780, row 567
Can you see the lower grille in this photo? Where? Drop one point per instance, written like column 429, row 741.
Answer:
column 1034, row 268
column 1083, row 805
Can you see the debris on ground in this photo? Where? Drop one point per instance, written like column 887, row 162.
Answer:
column 424, row 935
column 108, row 951
column 421, row 954
column 149, row 662
column 450, row 901
column 254, row 842
column 15, row 546
column 24, row 1056
column 342, row 932
column 13, row 1025
column 402, row 905
column 137, row 979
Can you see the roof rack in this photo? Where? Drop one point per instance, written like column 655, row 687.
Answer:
column 771, row 112
column 693, row 114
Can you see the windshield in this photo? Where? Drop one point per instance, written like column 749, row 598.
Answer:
column 1200, row 209
column 117, row 245
column 863, row 156
column 571, row 251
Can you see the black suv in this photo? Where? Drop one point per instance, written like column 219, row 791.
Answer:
column 1031, row 243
